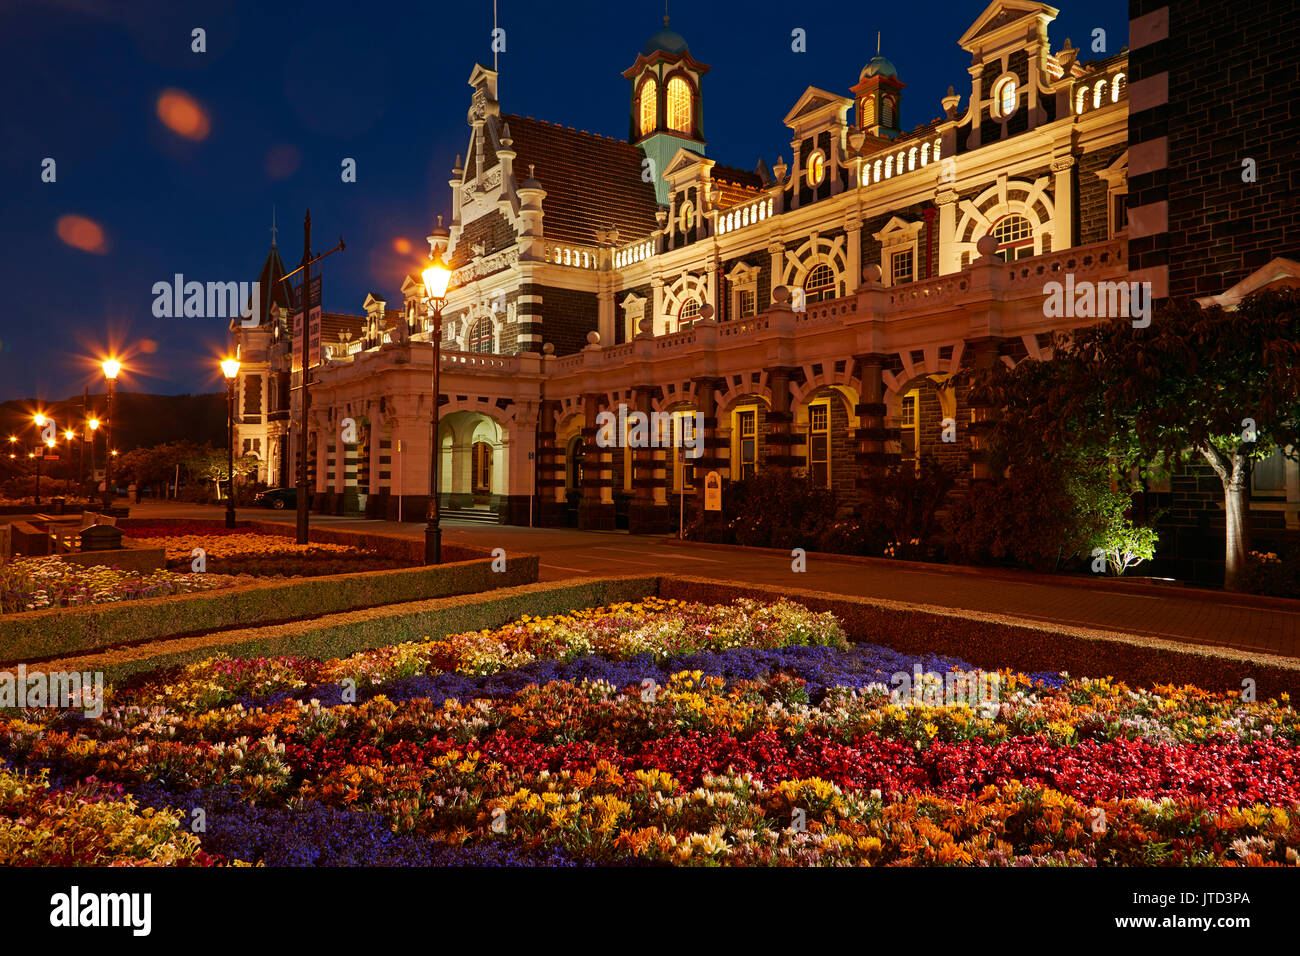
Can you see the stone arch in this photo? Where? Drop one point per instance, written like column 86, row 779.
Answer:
column 1006, row 197
column 684, row 289
column 817, row 250
column 472, row 441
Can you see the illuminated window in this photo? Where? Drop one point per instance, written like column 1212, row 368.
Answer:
column 887, row 111
column 816, row 168
column 679, row 105
column 1015, row 238
column 648, row 106
column 909, row 426
column 1081, row 99
column 1004, row 97
column 687, row 217
column 820, row 284
column 1098, row 91
column 819, row 444
column 1117, row 87
column 690, row 312
column 480, row 336
column 481, row 468
column 683, row 436
column 747, row 442
column 900, row 267
column 746, row 303
column 867, row 111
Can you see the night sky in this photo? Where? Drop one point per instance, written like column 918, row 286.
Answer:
column 287, row 90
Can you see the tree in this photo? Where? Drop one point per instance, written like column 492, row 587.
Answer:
column 210, row 464
column 1217, row 385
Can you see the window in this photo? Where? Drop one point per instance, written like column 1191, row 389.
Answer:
column 887, row 111
column 1097, row 93
column 1015, row 238
column 867, row 110
column 687, row 217
column 683, row 434
column 482, row 468
column 909, row 425
column 819, row 444
column 746, row 303
column 1117, row 87
column 820, row 284
column 649, row 106
column 1081, row 99
column 747, row 442
column 480, row 336
column 816, row 168
column 1004, row 97
column 690, row 312
column 679, row 105
column 900, row 267
column 1268, row 476
column 1118, row 213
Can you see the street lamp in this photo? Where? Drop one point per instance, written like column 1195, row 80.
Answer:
column 230, row 369
column 436, row 278
column 40, row 421
column 111, row 368
column 93, row 425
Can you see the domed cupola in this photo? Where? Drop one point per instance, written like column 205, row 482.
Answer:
column 879, row 94
column 666, row 104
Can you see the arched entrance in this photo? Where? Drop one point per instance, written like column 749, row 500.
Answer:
column 473, row 474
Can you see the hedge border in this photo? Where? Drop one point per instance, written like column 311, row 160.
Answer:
column 33, row 636
column 339, row 635
column 998, row 641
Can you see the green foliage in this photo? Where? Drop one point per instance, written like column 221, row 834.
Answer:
column 1103, row 515
column 1275, row 573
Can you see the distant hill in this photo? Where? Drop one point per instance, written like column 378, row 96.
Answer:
column 140, row 421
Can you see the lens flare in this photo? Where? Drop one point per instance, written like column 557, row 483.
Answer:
column 82, row 233
column 182, row 114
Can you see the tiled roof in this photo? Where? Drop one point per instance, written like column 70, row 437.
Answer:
column 592, row 182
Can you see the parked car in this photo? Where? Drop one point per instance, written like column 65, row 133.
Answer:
column 278, row 498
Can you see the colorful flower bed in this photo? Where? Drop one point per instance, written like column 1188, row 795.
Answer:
column 240, row 551
column 29, row 584
column 655, row 733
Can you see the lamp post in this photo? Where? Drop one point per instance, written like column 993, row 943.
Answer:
column 40, row 421
column 111, row 368
column 230, row 368
column 93, row 425
column 436, row 278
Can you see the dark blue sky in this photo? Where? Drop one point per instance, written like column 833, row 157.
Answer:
column 289, row 89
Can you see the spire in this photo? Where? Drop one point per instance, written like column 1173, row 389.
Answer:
column 273, row 229
column 877, row 43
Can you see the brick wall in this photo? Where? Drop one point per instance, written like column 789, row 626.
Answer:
column 491, row 229
column 1232, row 84
column 1092, row 194
column 568, row 316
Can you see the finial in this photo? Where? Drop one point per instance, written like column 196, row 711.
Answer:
column 877, row 43
column 273, row 229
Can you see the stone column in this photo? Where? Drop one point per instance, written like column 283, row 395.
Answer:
column 874, row 432
column 646, row 515
column 596, row 509
column 550, row 470
column 983, row 353
column 1063, row 200
column 784, row 446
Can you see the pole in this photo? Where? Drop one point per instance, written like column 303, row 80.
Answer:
column 681, row 501
column 108, row 448
column 38, row 475
column 432, row 531
column 230, row 453
column 306, row 394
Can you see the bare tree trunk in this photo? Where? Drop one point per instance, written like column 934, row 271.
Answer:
column 1235, row 509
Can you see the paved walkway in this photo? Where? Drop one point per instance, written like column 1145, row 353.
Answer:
column 1183, row 614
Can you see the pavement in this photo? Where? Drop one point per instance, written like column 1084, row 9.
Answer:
column 1188, row 615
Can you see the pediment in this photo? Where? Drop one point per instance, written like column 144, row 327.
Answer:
column 1280, row 273
column 999, row 16
column 813, row 103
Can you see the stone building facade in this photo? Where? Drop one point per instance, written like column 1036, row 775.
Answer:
column 813, row 312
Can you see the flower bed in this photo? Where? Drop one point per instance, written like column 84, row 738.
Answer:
column 665, row 732
column 29, row 584
column 243, row 551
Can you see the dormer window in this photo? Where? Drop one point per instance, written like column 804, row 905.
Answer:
column 1004, row 97
column 647, row 106
column 816, row 168
column 679, row 105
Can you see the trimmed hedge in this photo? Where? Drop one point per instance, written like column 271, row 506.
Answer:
column 37, row 635
column 339, row 635
column 993, row 641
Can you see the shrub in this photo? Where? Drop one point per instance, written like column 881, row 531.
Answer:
column 770, row 510
column 903, row 499
column 1273, row 573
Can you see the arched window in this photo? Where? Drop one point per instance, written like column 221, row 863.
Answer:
column 679, row 105
column 1081, row 100
column 480, row 336
column 887, row 111
column 876, row 177
column 866, row 173
column 687, row 218
column 868, row 111
column 820, row 284
column 690, row 312
column 1015, row 237
column 1097, row 93
column 936, row 149
column 648, row 106
column 911, row 159
column 816, row 168
column 925, row 153
column 889, row 167
column 481, row 468
column 1004, row 97
column 1117, row 86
